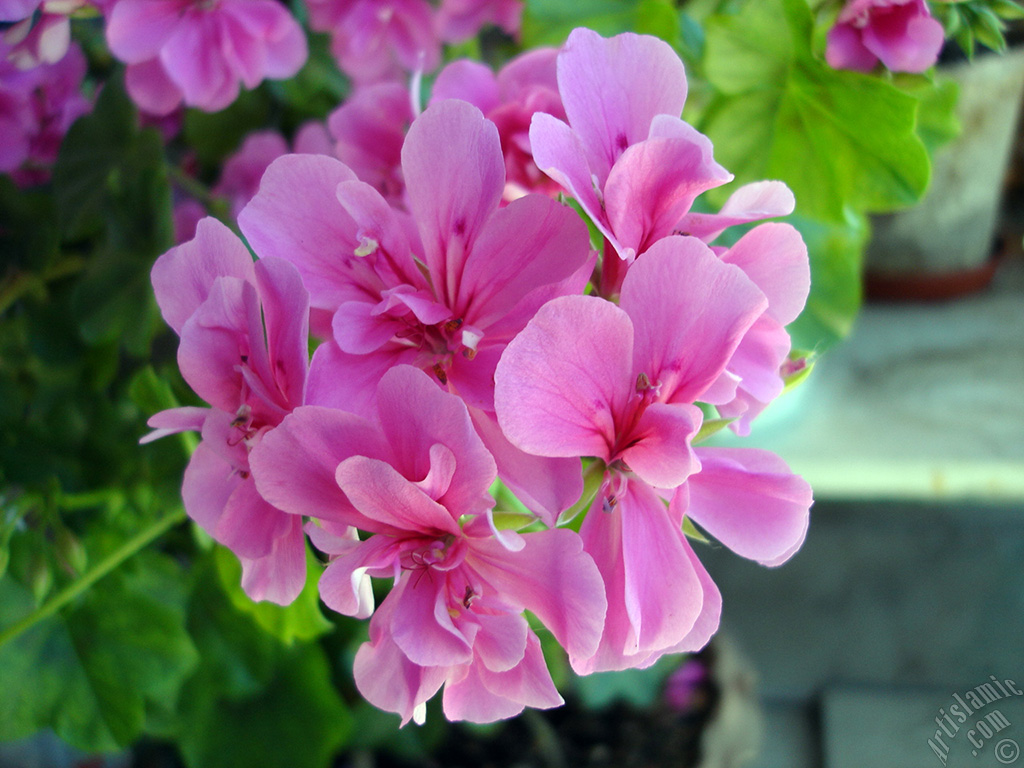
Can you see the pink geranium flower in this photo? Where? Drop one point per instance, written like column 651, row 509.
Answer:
column 588, row 378
column 418, row 483
column 202, row 52
column 379, row 40
column 243, row 349
column 629, row 160
column 485, row 270
column 900, row 33
column 523, row 87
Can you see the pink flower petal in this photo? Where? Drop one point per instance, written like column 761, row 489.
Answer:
column 483, row 696
column 174, row 420
column 751, row 202
column 501, row 642
column 421, row 625
column 391, row 502
column 750, row 501
column 285, row 305
column 661, row 454
column 249, row 526
column 279, row 576
column 553, row 578
column 561, row 381
column 454, row 175
column 296, row 216
column 208, row 483
column 415, row 414
column 690, row 311
column 295, row 463
column 138, row 29
column 182, row 277
column 613, row 88
column 151, row 87
column 469, row 81
column 774, row 256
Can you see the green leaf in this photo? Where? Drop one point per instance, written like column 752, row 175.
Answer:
column 28, row 235
column 937, row 123
column 835, row 252
column 839, row 139
column 91, row 673
column 711, row 427
column 302, row 620
column 253, row 702
column 1007, row 9
column 214, row 135
column 549, row 22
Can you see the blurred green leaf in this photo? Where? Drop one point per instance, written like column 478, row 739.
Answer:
column 213, row 136
column 91, row 673
column 549, row 22
column 835, row 251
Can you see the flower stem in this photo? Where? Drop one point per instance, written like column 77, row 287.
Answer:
column 101, row 569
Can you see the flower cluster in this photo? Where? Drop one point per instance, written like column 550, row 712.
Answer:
column 900, row 33
column 470, row 334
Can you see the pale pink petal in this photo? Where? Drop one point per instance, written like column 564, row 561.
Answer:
column 710, row 613
column 501, row 641
column 151, row 88
column 182, row 277
column 483, row 696
column 285, row 305
column 845, row 49
column 904, row 37
column 215, row 342
column 387, row 679
column 751, row 202
column 249, row 526
column 553, row 578
column 454, row 175
column 536, row 67
column 689, row 311
column 660, row 453
column 358, row 331
column 652, row 185
column 279, row 576
column 193, row 61
column 295, row 463
column 349, row 382
column 559, row 152
column 561, row 381
column 774, row 256
column 613, row 88
column 389, row 501
column 296, row 216
column 138, row 29
column 174, row 420
column 415, row 414
column 470, row 81
column 750, row 501
column 208, row 483
column 531, row 242
column 546, row 486
column 421, row 624
column 345, row 586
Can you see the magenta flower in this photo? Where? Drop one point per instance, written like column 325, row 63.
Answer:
column 37, row 107
column 900, row 33
column 523, row 87
column 16, row 10
column 587, row 378
column 416, row 478
column 201, row 52
column 485, row 271
column 243, row 330
column 379, row 40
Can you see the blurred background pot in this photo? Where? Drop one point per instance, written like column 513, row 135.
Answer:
column 947, row 245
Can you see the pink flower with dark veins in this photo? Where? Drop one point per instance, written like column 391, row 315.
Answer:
column 202, row 51
column 243, row 349
column 587, row 378
column 443, row 288
column 902, row 34
column 416, row 478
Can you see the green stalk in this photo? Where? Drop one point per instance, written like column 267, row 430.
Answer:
column 101, row 569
